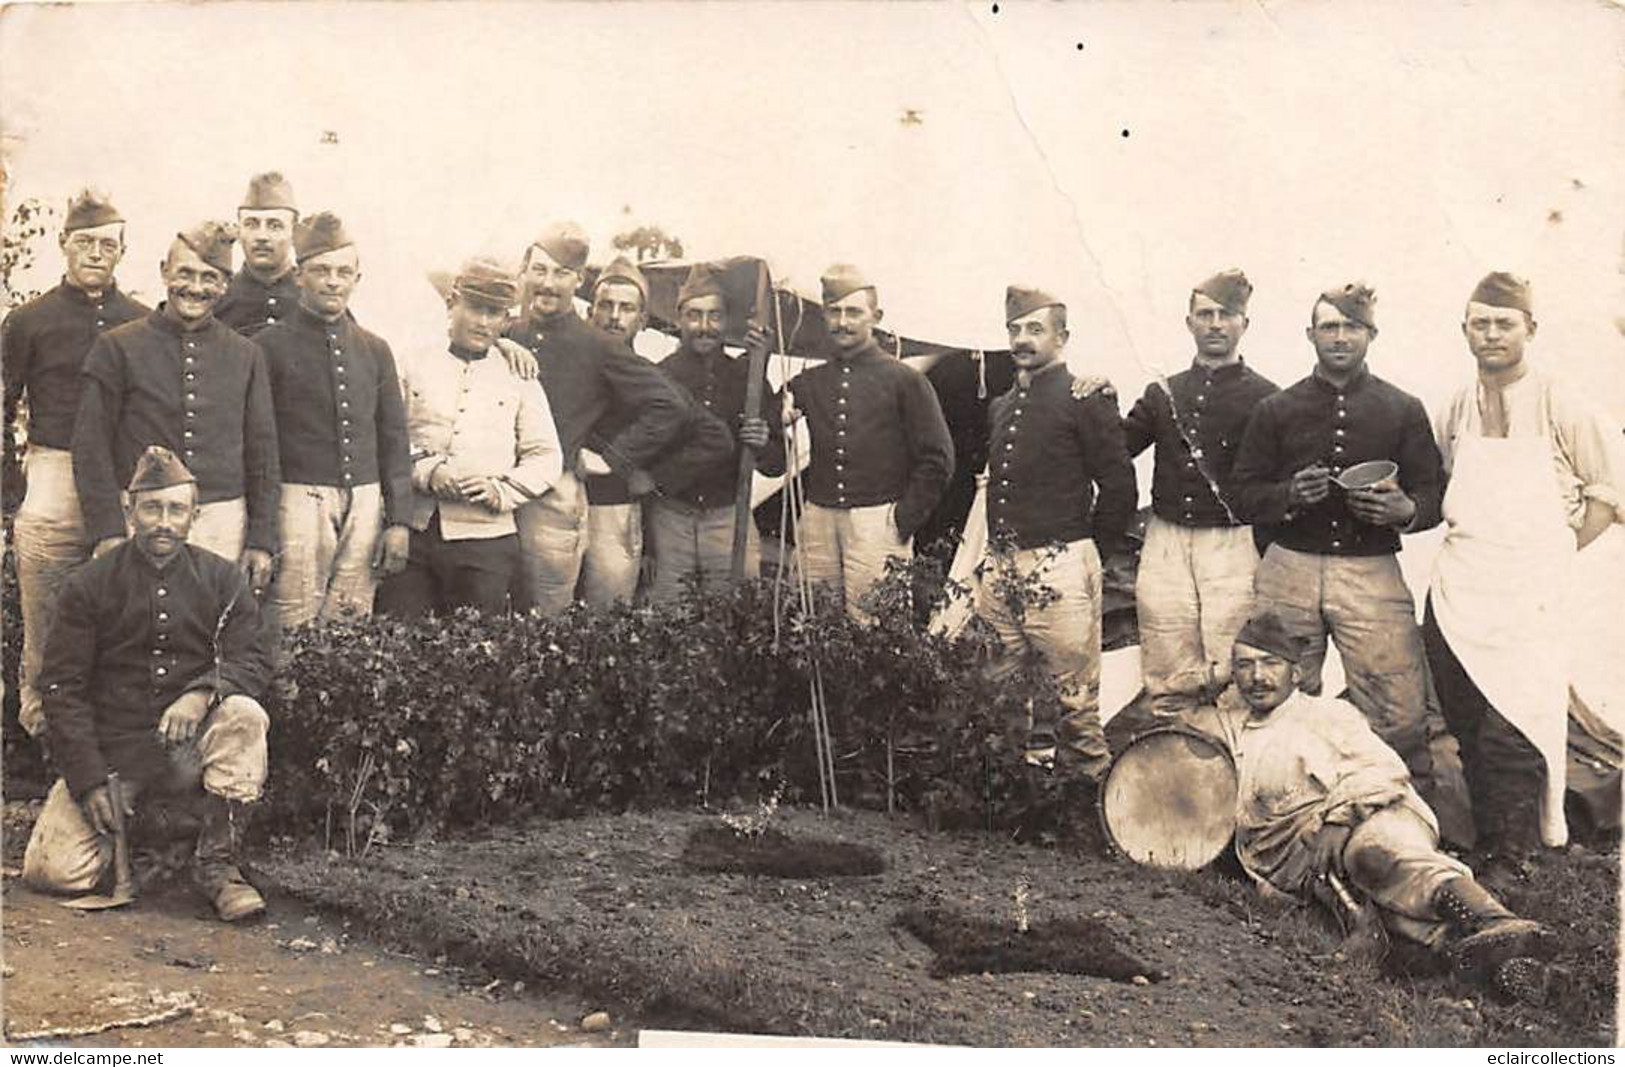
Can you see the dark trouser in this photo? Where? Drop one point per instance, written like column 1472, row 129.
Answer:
column 1505, row 773
column 441, row 575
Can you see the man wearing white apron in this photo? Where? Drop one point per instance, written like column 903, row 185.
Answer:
column 1530, row 480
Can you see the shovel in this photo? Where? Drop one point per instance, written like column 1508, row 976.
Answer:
column 123, row 880
column 1364, row 937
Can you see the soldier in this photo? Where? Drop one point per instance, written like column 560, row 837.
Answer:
column 613, row 558
column 264, row 292
column 881, row 454
column 585, row 374
column 181, row 379
column 483, row 443
column 44, row 344
column 346, row 505
column 1195, row 584
column 1332, row 566
column 691, row 529
column 154, row 672
column 1048, row 531
column 1534, row 475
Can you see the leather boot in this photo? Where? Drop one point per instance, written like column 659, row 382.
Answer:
column 1487, row 934
column 215, row 869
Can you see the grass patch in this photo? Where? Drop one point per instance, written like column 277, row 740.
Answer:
column 775, row 854
column 967, row 944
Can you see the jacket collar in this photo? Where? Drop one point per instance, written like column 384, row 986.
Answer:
column 1234, row 369
column 1358, row 382
column 160, row 320
column 79, row 296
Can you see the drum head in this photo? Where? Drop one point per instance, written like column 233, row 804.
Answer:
column 1169, row 800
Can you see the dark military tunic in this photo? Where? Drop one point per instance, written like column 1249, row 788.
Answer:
column 1048, row 453
column 203, row 394
column 878, row 436
column 44, row 343
column 340, row 419
column 1317, row 422
column 128, row 640
column 586, row 373
column 1196, row 438
column 717, row 383
column 250, row 305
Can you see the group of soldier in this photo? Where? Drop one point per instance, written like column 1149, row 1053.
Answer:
column 249, row 441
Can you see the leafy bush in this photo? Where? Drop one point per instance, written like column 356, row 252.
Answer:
column 383, row 727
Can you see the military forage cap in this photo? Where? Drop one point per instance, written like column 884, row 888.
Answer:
column 1502, row 290
column 159, row 468
column 212, row 242
column 1268, row 633
column 267, row 191
column 1357, row 301
column 623, row 270
column 566, row 243
column 701, row 281
column 1230, row 289
column 841, row 281
column 1020, row 302
column 90, row 208
column 323, row 232
column 486, row 281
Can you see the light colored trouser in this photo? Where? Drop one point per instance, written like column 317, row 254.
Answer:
column 614, row 555
column 221, row 527
column 552, row 543
column 1363, row 602
column 226, row 757
column 689, row 543
column 50, row 541
column 1193, row 595
column 328, row 537
column 1394, row 857
column 847, row 548
column 1063, row 633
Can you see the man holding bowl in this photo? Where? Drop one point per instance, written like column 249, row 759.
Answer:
column 1332, row 566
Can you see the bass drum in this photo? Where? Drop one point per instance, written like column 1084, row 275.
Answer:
column 1169, row 800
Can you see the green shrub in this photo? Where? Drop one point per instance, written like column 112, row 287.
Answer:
column 386, row 727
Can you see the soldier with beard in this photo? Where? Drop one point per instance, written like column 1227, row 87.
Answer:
column 691, row 529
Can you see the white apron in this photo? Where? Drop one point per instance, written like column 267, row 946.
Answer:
column 1497, row 593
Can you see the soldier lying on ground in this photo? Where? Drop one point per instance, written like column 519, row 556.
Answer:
column 1323, row 803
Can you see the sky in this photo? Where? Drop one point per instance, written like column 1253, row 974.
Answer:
column 1413, row 146
column 1115, row 153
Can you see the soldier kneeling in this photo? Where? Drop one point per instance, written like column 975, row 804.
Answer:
column 153, row 668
